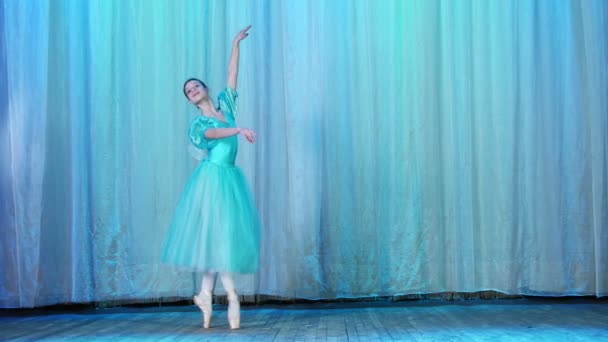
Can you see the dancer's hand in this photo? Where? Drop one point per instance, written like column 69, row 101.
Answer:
column 241, row 35
column 248, row 134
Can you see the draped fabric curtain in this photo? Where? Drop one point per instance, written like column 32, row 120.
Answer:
column 403, row 147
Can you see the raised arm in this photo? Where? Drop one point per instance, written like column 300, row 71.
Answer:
column 233, row 66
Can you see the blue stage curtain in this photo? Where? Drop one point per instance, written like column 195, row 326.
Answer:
column 404, row 147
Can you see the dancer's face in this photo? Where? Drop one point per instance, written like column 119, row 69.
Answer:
column 195, row 91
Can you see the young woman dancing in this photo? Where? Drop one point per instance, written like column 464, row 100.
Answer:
column 216, row 226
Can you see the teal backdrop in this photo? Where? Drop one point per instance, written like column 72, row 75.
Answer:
column 404, row 147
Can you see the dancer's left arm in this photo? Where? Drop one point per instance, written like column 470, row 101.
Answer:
column 233, row 66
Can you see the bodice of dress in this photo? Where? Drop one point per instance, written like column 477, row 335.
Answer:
column 221, row 151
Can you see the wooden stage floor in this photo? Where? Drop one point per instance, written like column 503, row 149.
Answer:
column 573, row 319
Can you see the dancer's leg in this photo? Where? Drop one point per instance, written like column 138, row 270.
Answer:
column 207, row 284
column 204, row 300
column 234, row 307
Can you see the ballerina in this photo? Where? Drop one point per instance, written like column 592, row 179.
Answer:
column 216, row 226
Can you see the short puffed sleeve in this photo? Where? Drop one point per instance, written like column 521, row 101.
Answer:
column 227, row 100
column 197, row 132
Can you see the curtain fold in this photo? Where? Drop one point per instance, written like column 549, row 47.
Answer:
column 404, row 147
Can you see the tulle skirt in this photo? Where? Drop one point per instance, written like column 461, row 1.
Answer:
column 215, row 225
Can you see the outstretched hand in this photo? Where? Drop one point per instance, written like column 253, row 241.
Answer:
column 241, row 35
column 248, row 134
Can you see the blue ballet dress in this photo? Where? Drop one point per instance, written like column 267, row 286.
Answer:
column 215, row 226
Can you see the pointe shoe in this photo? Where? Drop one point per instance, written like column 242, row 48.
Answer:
column 205, row 305
column 234, row 312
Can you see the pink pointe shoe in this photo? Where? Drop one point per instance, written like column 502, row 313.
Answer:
column 204, row 303
column 234, row 312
